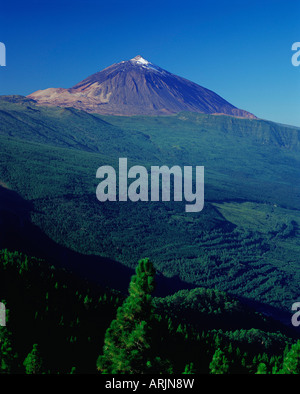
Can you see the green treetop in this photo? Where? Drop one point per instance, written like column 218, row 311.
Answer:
column 127, row 343
column 33, row 361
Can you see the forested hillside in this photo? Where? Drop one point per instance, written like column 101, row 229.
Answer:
column 245, row 242
column 58, row 323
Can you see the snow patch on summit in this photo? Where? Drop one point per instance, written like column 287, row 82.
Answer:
column 146, row 64
column 139, row 59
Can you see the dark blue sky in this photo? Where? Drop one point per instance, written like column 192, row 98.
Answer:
column 239, row 49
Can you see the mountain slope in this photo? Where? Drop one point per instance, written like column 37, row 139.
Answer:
column 69, row 128
column 137, row 87
column 245, row 241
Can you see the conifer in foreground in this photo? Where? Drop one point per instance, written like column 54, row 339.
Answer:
column 127, row 343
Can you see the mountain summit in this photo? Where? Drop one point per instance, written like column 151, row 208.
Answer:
column 137, row 87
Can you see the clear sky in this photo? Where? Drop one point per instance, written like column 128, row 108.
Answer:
column 240, row 49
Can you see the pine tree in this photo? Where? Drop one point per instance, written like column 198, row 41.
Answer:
column 127, row 342
column 33, row 362
column 7, row 355
column 73, row 371
column 291, row 361
column 189, row 369
column 262, row 369
column 219, row 363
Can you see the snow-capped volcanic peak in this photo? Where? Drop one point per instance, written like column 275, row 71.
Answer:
column 139, row 59
column 137, row 87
